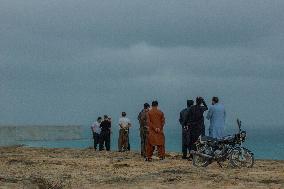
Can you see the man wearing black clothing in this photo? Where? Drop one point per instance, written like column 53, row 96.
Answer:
column 142, row 118
column 185, row 129
column 105, row 133
column 195, row 121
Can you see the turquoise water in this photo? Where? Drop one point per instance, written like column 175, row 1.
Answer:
column 265, row 143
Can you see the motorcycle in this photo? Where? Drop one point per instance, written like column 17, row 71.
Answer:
column 220, row 150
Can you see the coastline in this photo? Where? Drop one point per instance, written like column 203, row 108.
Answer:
column 25, row 167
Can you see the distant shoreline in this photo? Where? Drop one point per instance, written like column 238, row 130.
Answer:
column 265, row 145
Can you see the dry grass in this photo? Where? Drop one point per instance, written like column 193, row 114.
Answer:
column 70, row 168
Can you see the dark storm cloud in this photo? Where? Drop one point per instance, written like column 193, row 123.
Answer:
column 66, row 61
column 122, row 23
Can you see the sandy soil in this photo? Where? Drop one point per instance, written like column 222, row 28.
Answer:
column 71, row 168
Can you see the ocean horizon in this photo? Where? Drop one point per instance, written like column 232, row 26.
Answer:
column 265, row 143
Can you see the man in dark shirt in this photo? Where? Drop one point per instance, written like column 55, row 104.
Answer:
column 185, row 130
column 105, row 133
column 195, row 121
column 142, row 118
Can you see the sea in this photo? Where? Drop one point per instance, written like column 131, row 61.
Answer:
column 265, row 143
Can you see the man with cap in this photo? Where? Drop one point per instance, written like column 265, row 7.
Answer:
column 185, row 129
column 105, row 133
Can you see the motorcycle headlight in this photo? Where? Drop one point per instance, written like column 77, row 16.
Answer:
column 243, row 134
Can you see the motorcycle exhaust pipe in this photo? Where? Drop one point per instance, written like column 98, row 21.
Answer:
column 200, row 154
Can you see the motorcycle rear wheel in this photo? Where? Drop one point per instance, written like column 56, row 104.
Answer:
column 241, row 157
column 200, row 161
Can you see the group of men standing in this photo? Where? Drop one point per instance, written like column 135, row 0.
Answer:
column 101, row 130
column 152, row 121
column 101, row 133
column 192, row 122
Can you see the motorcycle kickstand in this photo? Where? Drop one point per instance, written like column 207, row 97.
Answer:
column 219, row 164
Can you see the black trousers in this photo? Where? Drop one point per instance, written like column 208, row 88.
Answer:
column 105, row 140
column 185, row 142
column 194, row 135
column 203, row 130
column 96, row 138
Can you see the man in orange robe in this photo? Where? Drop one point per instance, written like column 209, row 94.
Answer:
column 156, row 137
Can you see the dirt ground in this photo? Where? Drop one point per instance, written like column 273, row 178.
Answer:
column 42, row 168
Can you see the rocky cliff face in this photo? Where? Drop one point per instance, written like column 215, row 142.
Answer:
column 70, row 168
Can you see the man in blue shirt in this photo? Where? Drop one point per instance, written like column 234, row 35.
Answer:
column 217, row 116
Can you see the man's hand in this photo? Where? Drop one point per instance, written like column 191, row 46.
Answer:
column 157, row 130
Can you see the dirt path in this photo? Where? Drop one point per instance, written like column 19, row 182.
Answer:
column 70, row 168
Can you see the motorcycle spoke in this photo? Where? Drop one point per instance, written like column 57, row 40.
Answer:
column 242, row 158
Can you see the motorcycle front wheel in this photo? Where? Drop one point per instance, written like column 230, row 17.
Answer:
column 200, row 161
column 241, row 157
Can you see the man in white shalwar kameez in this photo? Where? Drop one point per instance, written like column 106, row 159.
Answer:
column 217, row 116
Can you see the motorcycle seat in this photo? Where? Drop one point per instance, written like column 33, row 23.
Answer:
column 229, row 137
column 207, row 139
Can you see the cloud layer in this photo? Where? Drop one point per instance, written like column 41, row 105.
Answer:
column 69, row 61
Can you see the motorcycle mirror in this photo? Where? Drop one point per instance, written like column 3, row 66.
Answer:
column 239, row 122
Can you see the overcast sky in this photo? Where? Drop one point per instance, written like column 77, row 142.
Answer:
column 68, row 61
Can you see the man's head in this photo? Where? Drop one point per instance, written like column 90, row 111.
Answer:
column 189, row 103
column 215, row 100
column 155, row 103
column 123, row 114
column 105, row 117
column 199, row 100
column 99, row 119
column 146, row 106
